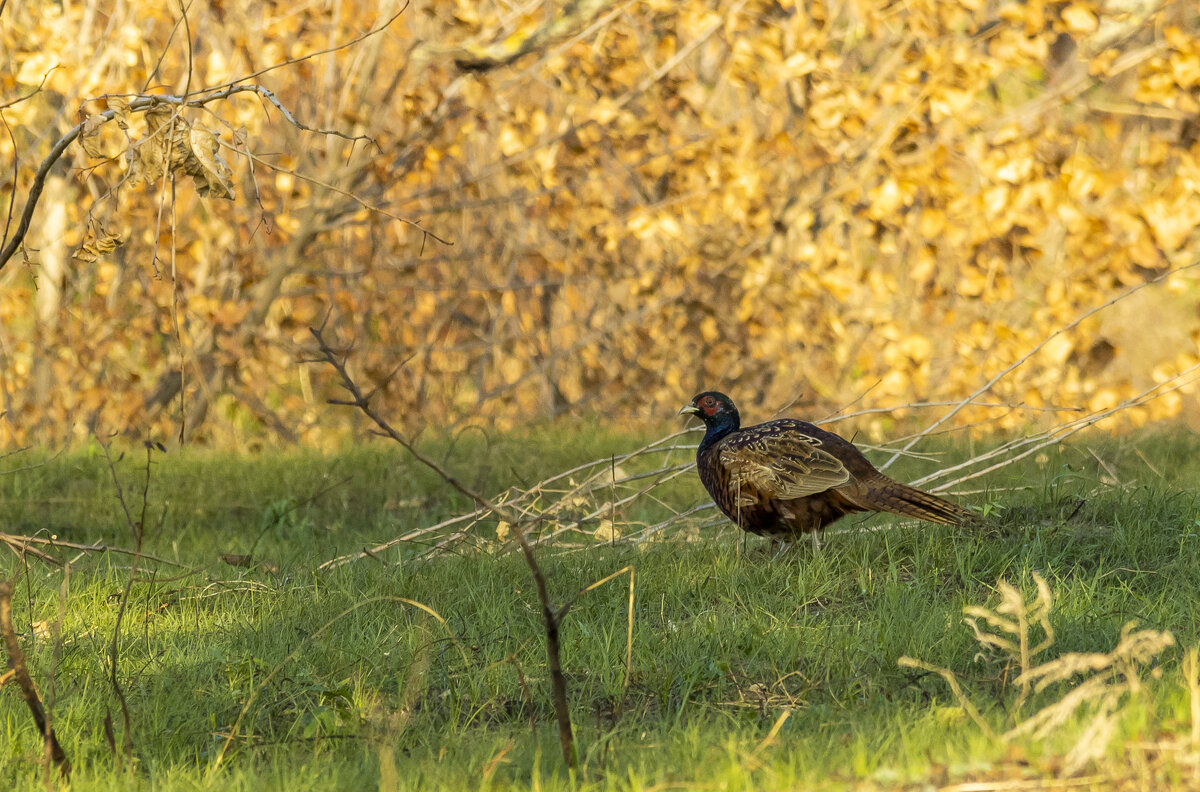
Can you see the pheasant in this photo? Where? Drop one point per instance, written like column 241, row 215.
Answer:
column 784, row 478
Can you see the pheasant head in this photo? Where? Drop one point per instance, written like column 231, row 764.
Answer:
column 717, row 411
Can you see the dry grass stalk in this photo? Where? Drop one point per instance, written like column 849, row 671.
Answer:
column 1106, row 680
column 955, row 688
column 1015, row 617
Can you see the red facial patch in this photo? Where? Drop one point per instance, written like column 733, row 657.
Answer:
column 709, row 405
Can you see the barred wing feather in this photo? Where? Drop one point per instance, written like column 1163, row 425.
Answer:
column 782, row 466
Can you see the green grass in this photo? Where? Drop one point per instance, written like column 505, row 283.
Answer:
column 346, row 686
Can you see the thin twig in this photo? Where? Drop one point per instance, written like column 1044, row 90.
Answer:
column 558, row 682
column 551, row 616
column 363, row 403
column 140, row 104
column 1002, row 374
column 1058, row 433
column 338, row 190
column 21, row 542
column 138, row 529
column 292, row 61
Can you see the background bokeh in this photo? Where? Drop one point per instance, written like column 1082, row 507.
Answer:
column 808, row 204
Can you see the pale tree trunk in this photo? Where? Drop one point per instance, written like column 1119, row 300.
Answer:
column 48, row 248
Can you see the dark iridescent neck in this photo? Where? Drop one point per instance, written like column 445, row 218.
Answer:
column 720, row 426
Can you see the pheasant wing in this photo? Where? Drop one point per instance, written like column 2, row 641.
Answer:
column 781, row 463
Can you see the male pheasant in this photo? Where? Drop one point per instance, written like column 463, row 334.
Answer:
column 784, row 478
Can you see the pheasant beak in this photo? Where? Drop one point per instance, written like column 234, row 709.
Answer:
column 689, row 409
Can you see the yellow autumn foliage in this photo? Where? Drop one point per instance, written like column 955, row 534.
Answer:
column 577, row 207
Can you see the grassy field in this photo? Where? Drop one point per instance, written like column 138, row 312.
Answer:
column 748, row 670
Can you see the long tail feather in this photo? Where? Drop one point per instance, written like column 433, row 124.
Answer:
column 892, row 496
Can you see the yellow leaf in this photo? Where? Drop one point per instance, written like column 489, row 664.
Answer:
column 511, row 369
column 1172, row 221
column 510, row 142
column 1015, row 170
column 799, row 64
column 606, row 532
column 209, row 171
column 1103, row 62
column 885, row 199
column 35, row 67
column 1079, row 18
column 1185, row 68
column 933, row 220
column 89, row 136
column 1057, row 350
column 603, row 111
column 828, row 113
column 972, row 283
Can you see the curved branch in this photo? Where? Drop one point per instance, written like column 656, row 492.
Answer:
column 35, row 192
column 140, row 104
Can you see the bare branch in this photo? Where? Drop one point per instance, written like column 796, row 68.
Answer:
column 138, row 529
column 142, row 103
column 987, row 386
column 16, row 166
column 558, row 682
column 35, row 91
column 363, row 403
column 35, row 192
column 345, row 193
column 290, row 61
column 551, row 617
column 21, row 544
